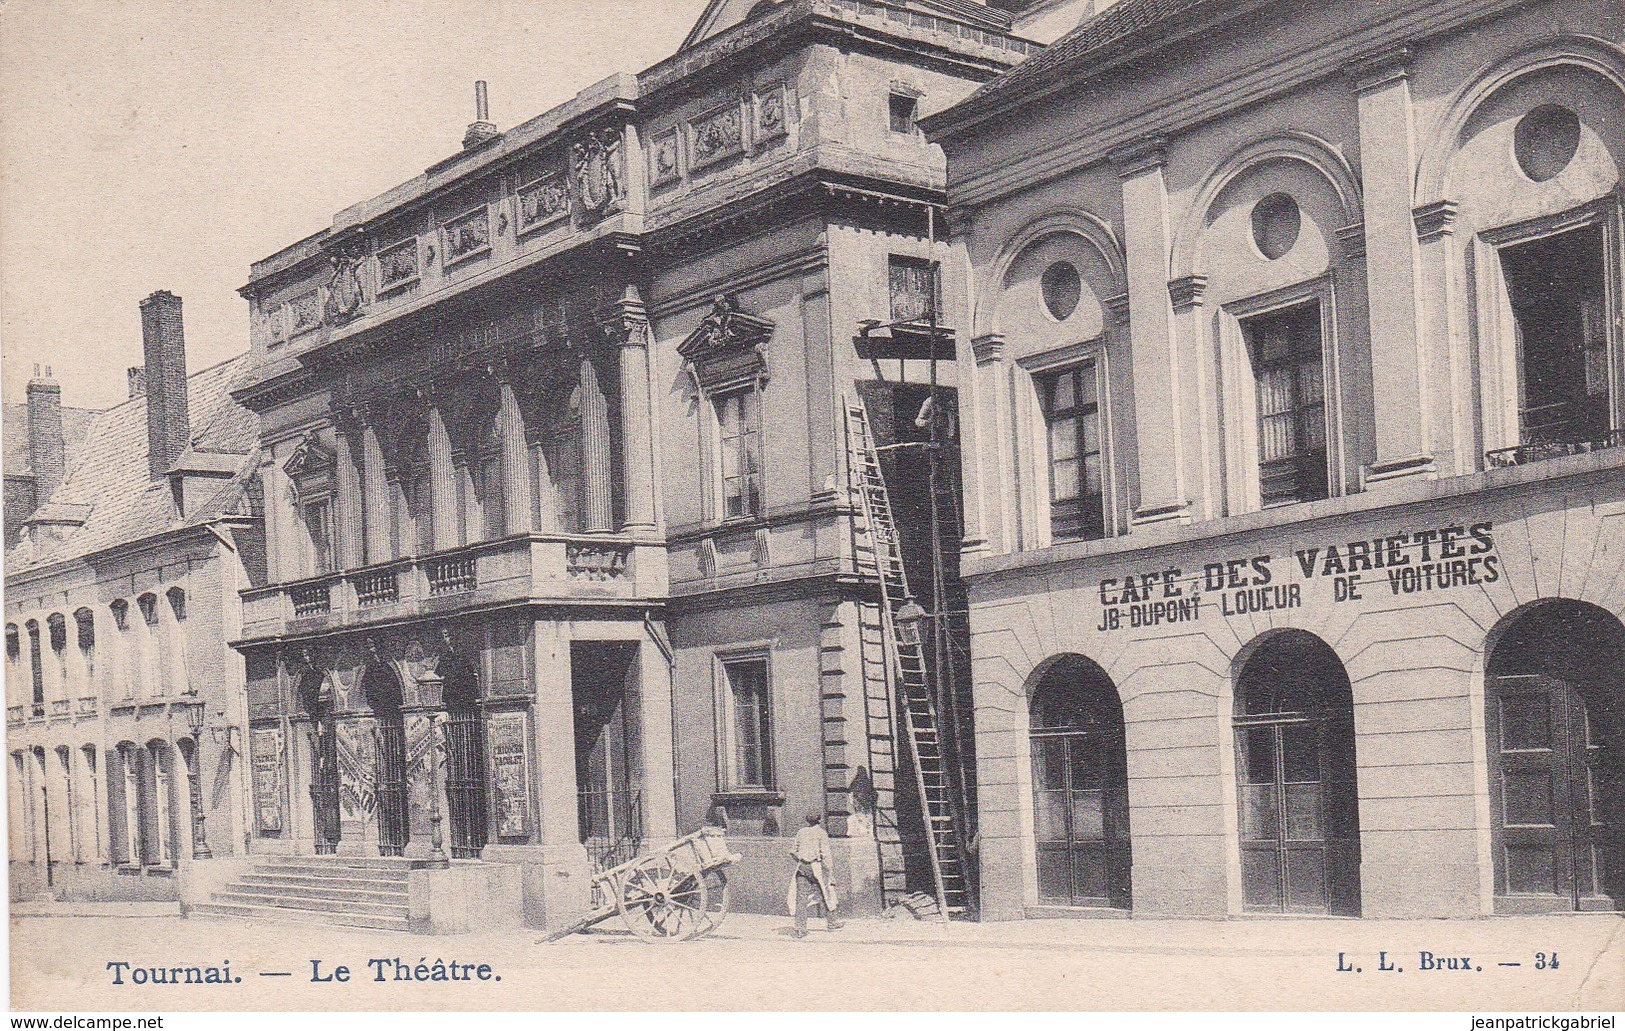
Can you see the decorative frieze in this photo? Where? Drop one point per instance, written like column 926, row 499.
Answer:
column 304, row 312
column 716, row 136
column 584, row 561
column 598, row 168
column 543, row 201
column 468, row 235
column 398, row 265
column 346, row 298
column 772, row 116
column 663, row 158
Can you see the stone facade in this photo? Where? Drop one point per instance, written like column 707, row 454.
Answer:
column 121, row 597
column 554, row 431
column 1292, row 470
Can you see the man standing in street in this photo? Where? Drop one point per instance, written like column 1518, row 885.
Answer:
column 813, row 882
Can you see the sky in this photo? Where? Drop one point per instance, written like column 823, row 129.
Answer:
column 168, row 144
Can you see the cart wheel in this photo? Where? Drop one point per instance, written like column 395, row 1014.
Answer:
column 716, row 885
column 661, row 902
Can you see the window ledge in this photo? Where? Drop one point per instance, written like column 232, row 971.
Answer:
column 748, row 796
column 1389, row 497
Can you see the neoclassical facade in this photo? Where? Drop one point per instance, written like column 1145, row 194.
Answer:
column 555, row 472
column 1293, row 477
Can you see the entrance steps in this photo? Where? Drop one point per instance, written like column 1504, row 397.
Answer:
column 339, row 891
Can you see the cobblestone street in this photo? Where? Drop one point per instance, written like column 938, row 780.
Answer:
column 61, row 964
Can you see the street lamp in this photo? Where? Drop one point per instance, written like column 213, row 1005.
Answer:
column 200, row 840
column 431, row 691
column 908, row 619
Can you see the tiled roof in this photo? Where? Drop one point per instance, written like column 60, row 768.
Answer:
column 110, row 482
column 1122, row 21
column 15, row 422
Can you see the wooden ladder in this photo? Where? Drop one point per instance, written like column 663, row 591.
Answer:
column 877, row 551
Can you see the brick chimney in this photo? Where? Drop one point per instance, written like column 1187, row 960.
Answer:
column 481, row 129
column 47, row 451
column 164, row 343
column 138, row 381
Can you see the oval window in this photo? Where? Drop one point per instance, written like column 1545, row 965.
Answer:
column 1545, row 141
column 1276, row 221
column 1062, row 289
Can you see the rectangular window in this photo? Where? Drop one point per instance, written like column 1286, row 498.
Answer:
column 904, row 109
column 318, row 516
column 751, row 726
column 1287, row 362
column 915, row 286
column 1556, row 287
column 1072, row 416
column 739, row 425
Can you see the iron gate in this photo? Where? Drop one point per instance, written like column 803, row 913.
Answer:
column 393, row 831
column 324, row 786
column 465, row 782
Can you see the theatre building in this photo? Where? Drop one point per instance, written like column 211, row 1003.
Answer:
column 1294, row 487
column 555, row 470
column 123, row 700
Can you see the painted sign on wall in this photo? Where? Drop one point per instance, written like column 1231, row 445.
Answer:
column 510, row 772
column 1403, row 563
column 265, row 746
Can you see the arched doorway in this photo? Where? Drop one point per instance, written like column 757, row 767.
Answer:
column 465, row 758
column 1080, row 787
column 316, row 694
column 1556, row 746
column 382, row 689
column 1296, row 784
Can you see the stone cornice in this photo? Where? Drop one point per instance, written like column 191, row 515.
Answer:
column 1140, row 156
column 1352, row 238
column 1375, row 69
column 1117, row 307
column 1201, row 102
column 1435, row 220
column 1187, row 292
column 988, row 348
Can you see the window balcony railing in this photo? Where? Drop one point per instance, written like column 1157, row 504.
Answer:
column 311, row 600
column 1540, row 450
column 87, row 706
column 15, row 715
column 377, row 588
column 451, row 575
column 539, row 568
column 61, row 707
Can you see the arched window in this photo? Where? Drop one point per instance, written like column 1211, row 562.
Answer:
column 1080, row 787
column 1295, row 768
column 85, row 622
column 58, row 625
column 177, row 603
column 38, row 668
column 148, row 603
column 121, row 613
column 1555, row 722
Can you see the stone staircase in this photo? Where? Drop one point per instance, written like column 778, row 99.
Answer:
column 341, row 891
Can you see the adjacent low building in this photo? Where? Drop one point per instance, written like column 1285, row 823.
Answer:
column 124, row 702
column 1293, row 479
